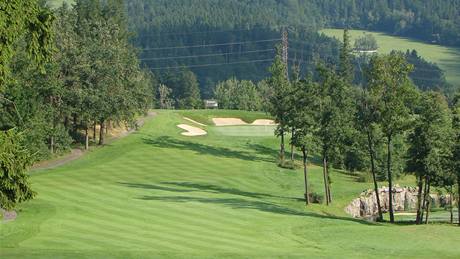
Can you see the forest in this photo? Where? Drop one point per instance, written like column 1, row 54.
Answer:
column 218, row 40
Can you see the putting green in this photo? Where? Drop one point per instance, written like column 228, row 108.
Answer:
column 447, row 58
column 245, row 131
column 156, row 193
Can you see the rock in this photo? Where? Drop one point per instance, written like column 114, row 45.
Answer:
column 404, row 199
column 8, row 215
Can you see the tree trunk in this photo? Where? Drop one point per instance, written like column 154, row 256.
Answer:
column 329, row 193
column 458, row 200
column 374, row 177
column 451, row 204
column 282, row 147
column 390, row 181
column 86, row 138
column 101, row 133
column 326, row 189
column 75, row 123
column 305, row 175
column 427, row 199
column 66, row 123
column 428, row 206
column 94, row 131
column 418, row 220
column 292, row 145
column 422, row 215
column 52, row 144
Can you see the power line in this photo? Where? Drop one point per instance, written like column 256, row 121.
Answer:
column 207, row 55
column 214, row 64
column 210, row 45
column 197, row 32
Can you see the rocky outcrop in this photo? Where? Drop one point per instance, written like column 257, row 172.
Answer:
column 8, row 215
column 404, row 199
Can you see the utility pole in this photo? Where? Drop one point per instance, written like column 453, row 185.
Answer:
column 285, row 39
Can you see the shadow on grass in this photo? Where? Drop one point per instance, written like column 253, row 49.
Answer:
column 169, row 142
column 153, row 187
column 234, row 203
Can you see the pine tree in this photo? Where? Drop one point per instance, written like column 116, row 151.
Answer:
column 279, row 99
column 24, row 18
column 346, row 70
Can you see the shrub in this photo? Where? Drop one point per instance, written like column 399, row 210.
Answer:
column 316, row 198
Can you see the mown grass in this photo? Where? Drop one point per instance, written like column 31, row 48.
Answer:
column 58, row 3
column 159, row 194
column 447, row 58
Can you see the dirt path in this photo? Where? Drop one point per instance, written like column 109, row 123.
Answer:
column 77, row 153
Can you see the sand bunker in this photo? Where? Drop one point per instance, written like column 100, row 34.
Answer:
column 228, row 121
column 264, row 122
column 196, row 122
column 191, row 131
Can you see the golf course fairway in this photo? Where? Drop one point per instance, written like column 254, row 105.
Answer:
column 157, row 193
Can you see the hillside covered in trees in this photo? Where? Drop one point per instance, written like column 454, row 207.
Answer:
column 220, row 39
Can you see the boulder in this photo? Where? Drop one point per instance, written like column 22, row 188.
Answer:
column 404, row 199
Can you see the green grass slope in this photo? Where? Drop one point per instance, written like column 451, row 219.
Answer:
column 58, row 3
column 159, row 194
column 447, row 58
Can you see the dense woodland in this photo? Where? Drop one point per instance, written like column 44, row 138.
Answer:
column 221, row 39
column 65, row 76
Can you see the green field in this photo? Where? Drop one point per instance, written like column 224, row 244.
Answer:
column 156, row 193
column 447, row 58
column 58, row 3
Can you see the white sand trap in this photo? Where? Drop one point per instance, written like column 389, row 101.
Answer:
column 196, row 122
column 228, row 121
column 264, row 122
column 191, row 131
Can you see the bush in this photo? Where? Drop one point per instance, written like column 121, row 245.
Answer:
column 316, row 198
column 289, row 164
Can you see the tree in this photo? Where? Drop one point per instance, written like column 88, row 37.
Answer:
column 189, row 97
column 164, row 97
column 391, row 91
column 429, row 143
column 303, row 123
column 334, row 111
column 117, row 88
column 455, row 162
column 14, row 161
column 238, row 95
column 19, row 18
column 346, row 70
column 367, row 119
column 366, row 43
column 279, row 100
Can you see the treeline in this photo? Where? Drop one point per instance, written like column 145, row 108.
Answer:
column 87, row 78
column 385, row 120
